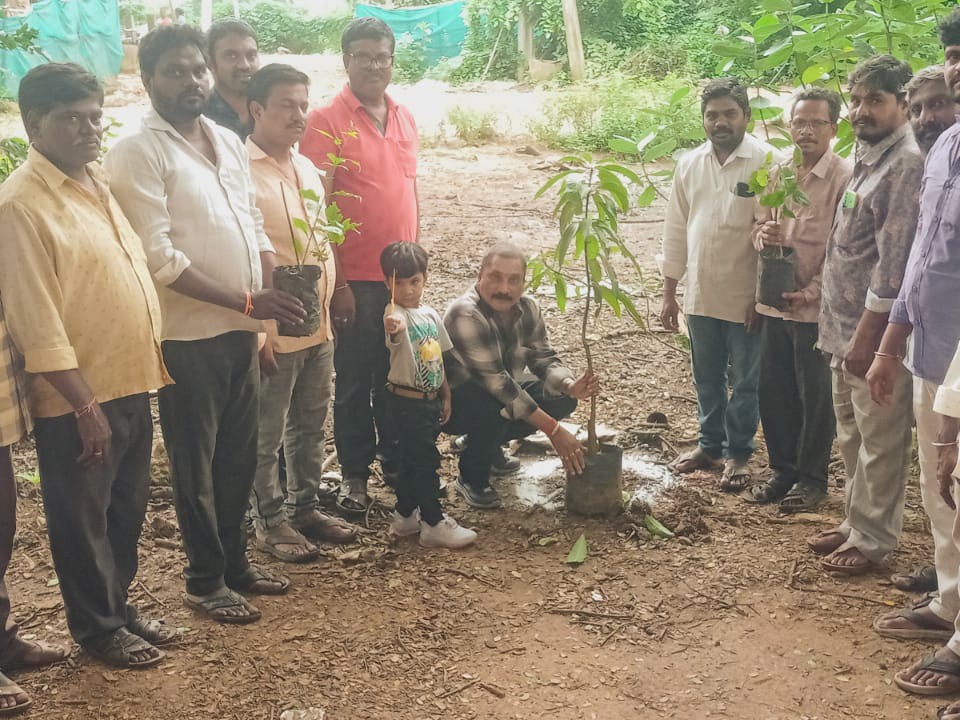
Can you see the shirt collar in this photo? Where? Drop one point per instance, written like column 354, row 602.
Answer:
column 822, row 168
column 53, row 176
column 255, row 151
column 871, row 154
column 153, row 120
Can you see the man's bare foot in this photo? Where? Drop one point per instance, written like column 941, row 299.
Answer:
column 950, row 712
column 937, row 674
column 826, row 542
column 847, row 560
column 694, row 460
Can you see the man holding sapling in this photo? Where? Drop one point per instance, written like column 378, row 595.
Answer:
column 377, row 141
column 185, row 184
column 295, row 372
column 795, row 400
column 866, row 256
column 923, row 334
column 929, row 269
column 499, row 338
column 234, row 56
column 707, row 239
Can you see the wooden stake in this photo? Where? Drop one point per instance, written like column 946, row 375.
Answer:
column 571, row 24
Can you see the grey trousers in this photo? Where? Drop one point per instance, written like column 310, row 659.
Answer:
column 209, row 422
column 94, row 516
column 293, row 409
column 875, row 443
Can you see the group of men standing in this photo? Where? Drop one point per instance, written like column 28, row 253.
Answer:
column 864, row 343
column 155, row 272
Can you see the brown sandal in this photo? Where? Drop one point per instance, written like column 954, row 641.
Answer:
column 8, row 689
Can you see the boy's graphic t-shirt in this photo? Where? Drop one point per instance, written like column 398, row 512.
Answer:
column 416, row 360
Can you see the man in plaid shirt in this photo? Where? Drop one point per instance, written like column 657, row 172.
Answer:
column 15, row 653
column 499, row 338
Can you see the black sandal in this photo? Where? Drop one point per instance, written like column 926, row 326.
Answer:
column 771, row 491
column 155, row 632
column 117, row 649
column 214, row 604
column 257, row 581
column 802, row 499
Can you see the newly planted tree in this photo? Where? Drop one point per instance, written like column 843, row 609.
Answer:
column 592, row 195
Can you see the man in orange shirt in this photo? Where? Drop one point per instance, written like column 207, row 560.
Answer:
column 379, row 145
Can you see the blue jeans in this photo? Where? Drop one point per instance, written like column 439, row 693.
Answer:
column 725, row 355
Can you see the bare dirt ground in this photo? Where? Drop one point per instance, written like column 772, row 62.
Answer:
column 733, row 619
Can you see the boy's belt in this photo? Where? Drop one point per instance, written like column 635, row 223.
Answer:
column 412, row 393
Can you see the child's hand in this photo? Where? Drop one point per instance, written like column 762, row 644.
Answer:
column 394, row 324
column 446, row 409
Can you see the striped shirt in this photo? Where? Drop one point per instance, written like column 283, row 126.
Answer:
column 497, row 355
column 14, row 418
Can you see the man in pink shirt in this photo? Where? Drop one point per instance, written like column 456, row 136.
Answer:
column 378, row 141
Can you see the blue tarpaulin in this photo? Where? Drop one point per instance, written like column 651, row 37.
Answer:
column 86, row 32
column 445, row 22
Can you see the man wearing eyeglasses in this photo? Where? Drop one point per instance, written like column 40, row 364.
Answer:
column 796, row 405
column 375, row 185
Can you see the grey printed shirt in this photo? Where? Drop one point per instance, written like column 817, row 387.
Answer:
column 497, row 355
column 871, row 237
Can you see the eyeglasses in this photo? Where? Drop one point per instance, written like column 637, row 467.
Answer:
column 815, row 125
column 365, row 61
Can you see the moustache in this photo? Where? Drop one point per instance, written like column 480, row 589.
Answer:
column 502, row 296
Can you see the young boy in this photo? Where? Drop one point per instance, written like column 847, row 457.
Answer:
column 418, row 399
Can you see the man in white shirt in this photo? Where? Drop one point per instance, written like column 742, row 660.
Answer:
column 184, row 183
column 707, row 239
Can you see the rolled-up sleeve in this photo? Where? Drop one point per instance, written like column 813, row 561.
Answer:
column 675, row 230
column 895, row 219
column 136, row 181
column 947, row 401
column 32, row 299
column 478, row 351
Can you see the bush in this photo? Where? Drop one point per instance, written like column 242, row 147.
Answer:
column 280, row 25
column 410, row 63
column 472, row 126
column 588, row 115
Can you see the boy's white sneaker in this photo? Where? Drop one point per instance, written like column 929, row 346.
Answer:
column 404, row 526
column 447, row 534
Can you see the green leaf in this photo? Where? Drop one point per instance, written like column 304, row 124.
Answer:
column 655, row 527
column 680, row 94
column 560, row 289
column 732, row 49
column 578, row 553
column 308, row 194
column 622, row 145
column 625, row 171
column 814, row 73
column 301, row 225
column 780, row 142
column 646, row 198
column 659, row 150
column 545, row 541
column 552, row 181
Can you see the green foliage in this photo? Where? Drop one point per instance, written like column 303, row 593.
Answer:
column 13, row 153
column 132, row 12
column 778, row 186
column 472, row 126
column 491, row 29
column 281, row 25
column 23, row 38
column 410, row 63
column 586, row 115
column 591, row 197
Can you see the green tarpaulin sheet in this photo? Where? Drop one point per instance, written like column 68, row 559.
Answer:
column 445, row 21
column 86, row 32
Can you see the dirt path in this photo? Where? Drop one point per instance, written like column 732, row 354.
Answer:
column 732, row 620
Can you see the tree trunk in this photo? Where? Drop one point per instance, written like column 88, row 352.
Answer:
column 524, row 44
column 571, row 23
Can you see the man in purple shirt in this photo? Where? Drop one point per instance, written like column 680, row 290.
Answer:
column 924, row 313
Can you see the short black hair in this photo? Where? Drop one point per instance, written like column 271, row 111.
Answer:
column 406, row 259
column 830, row 97
column 159, row 40
column 366, row 28
column 52, row 84
column 725, row 87
column 949, row 29
column 265, row 78
column 228, row 26
column 884, row 73
column 504, row 249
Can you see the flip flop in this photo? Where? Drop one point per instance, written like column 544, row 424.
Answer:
column 923, row 579
column 118, row 647
column 699, row 459
column 942, row 712
column 860, row 568
column 826, row 542
column 16, row 660
column 211, row 605
column 353, row 498
column 924, row 630
column 257, row 581
column 270, row 541
column 8, row 688
column 931, row 664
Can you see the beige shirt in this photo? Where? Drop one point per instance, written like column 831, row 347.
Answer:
column 272, row 186
column 706, row 235
column 947, row 401
column 189, row 211
column 76, row 290
column 808, row 232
